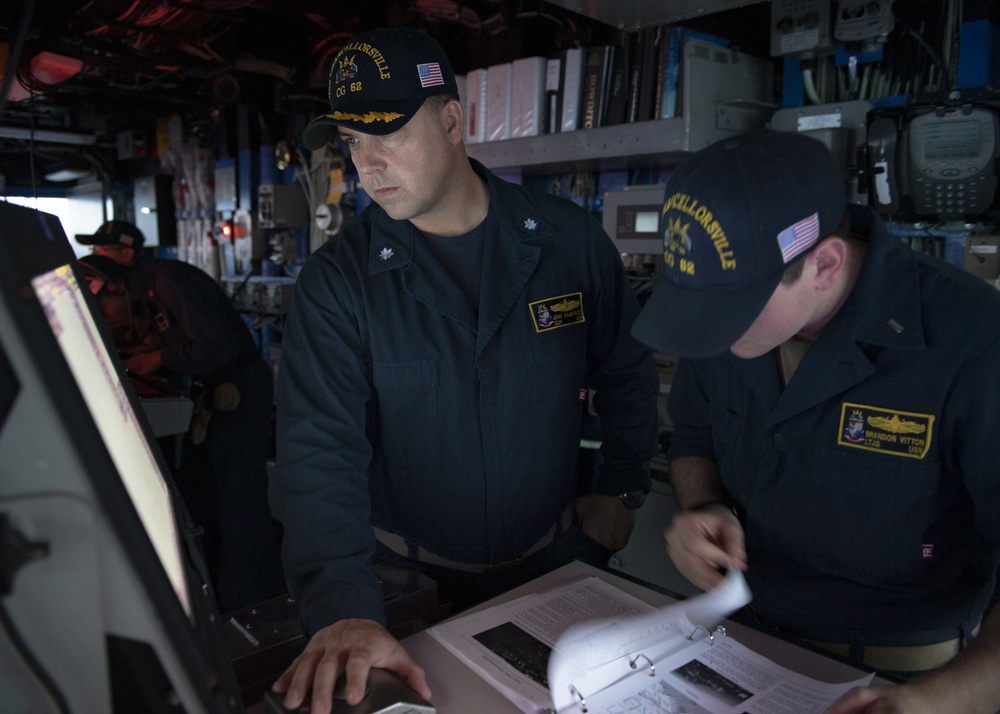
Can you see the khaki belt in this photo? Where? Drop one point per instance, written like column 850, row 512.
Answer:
column 398, row 544
column 902, row 658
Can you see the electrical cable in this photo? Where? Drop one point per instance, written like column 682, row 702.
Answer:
column 18, row 551
column 31, row 661
column 863, row 92
column 936, row 57
column 809, row 86
column 31, row 148
column 546, row 16
column 946, row 44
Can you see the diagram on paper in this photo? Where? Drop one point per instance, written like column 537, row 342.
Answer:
column 658, row 698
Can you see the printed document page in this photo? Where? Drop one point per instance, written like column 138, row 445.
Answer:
column 717, row 676
column 586, row 631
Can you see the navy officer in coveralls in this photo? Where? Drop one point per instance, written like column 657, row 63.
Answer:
column 435, row 364
column 836, row 415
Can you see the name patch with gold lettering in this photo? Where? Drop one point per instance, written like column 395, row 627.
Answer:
column 559, row 311
column 888, row 431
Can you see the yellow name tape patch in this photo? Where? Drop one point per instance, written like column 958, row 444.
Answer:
column 887, row 431
column 559, row 311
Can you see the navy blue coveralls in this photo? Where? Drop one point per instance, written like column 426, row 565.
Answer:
column 869, row 487
column 224, row 479
column 398, row 407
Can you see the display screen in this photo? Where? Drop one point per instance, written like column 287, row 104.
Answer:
column 81, row 344
column 951, row 140
column 647, row 221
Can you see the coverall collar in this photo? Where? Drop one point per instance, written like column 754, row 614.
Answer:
column 883, row 310
column 510, row 255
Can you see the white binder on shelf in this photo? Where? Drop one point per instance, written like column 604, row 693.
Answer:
column 498, row 83
column 572, row 87
column 527, row 106
column 474, row 101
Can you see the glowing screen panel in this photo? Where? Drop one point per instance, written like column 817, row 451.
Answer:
column 95, row 373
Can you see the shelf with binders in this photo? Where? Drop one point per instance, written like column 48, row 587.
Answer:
column 724, row 93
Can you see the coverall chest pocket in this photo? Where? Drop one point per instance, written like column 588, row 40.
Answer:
column 408, row 395
column 555, row 360
column 870, row 516
column 556, row 348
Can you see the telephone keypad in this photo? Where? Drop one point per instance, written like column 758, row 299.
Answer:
column 953, row 197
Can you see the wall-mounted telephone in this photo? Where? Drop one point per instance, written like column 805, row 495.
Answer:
column 934, row 161
column 953, row 156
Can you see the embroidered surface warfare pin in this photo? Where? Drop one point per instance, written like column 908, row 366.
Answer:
column 559, row 311
column 887, row 431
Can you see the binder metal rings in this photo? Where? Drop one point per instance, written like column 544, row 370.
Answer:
column 711, row 634
column 652, row 667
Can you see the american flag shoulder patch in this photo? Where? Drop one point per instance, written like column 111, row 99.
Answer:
column 430, row 74
column 798, row 237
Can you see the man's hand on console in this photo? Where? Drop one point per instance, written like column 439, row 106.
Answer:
column 349, row 647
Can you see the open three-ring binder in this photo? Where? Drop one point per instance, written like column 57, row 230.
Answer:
column 594, row 655
column 586, row 646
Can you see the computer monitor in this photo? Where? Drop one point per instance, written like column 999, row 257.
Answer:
column 105, row 602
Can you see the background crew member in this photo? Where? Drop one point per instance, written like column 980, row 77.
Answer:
column 842, row 393
column 170, row 318
column 433, row 367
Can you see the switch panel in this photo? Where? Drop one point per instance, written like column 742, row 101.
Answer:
column 802, row 28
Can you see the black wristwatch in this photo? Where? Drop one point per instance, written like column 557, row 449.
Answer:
column 633, row 499
column 727, row 502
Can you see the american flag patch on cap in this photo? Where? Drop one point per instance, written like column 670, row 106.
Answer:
column 430, row 74
column 798, row 237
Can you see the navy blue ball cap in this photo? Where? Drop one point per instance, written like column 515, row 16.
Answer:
column 378, row 82
column 736, row 215
column 115, row 233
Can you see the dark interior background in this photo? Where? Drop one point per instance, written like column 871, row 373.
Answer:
column 204, row 60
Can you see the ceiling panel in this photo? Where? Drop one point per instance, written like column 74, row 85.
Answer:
column 645, row 13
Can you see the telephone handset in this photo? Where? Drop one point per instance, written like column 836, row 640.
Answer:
column 883, row 133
